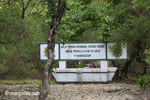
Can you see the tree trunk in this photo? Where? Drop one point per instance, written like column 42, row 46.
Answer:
column 46, row 77
column 126, row 67
column 51, row 45
column 45, row 81
column 146, row 68
column 118, row 73
column 121, row 72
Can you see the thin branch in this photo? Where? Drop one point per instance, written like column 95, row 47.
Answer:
column 22, row 4
column 24, row 8
column 61, row 12
column 8, row 2
column 27, row 4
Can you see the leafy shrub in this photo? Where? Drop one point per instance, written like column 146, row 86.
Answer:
column 143, row 81
column 147, row 52
column 33, row 72
column 80, row 65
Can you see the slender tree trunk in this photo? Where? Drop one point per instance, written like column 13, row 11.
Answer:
column 51, row 45
column 146, row 68
column 22, row 23
column 118, row 73
column 24, row 8
column 46, row 76
column 121, row 72
column 126, row 67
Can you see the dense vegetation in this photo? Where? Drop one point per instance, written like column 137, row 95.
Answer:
column 25, row 23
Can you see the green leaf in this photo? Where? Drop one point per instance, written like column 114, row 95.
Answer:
column 1, row 7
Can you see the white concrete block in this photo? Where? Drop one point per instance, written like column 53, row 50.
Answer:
column 62, row 64
column 104, row 66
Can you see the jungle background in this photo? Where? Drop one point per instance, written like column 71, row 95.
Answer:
column 24, row 24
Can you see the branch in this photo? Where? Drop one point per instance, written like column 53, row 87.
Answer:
column 61, row 10
column 24, row 8
column 8, row 2
column 27, row 4
column 56, row 19
column 22, row 4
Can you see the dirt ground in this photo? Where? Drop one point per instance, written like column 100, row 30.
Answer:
column 110, row 91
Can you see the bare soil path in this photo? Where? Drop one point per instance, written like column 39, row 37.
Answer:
column 111, row 91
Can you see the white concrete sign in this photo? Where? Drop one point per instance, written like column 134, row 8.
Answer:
column 44, row 54
column 83, row 51
column 112, row 55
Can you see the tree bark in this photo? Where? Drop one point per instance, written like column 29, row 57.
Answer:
column 126, row 68
column 121, row 72
column 46, row 76
column 51, row 45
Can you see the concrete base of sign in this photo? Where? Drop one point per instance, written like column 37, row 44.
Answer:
column 84, row 74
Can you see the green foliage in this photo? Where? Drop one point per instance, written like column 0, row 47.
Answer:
column 52, row 8
column 24, row 81
column 34, row 72
column 54, row 65
column 81, row 19
column 19, row 59
column 141, row 3
column 147, row 52
column 143, row 81
column 128, row 24
column 116, row 50
column 14, row 82
column 1, row 68
column 80, row 65
column 118, row 21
